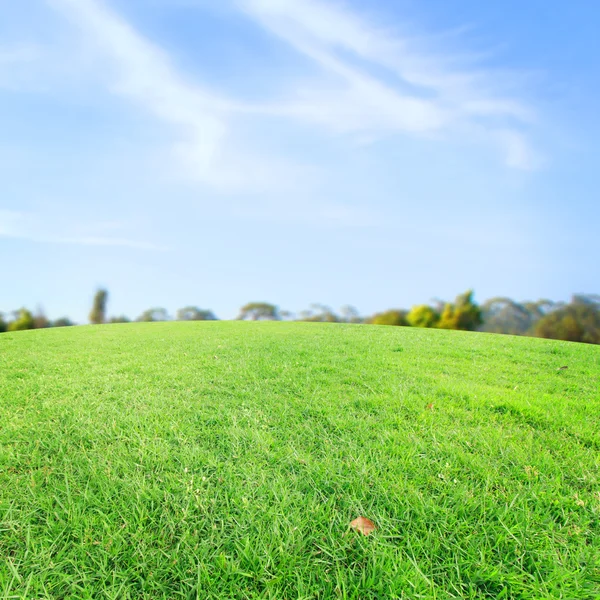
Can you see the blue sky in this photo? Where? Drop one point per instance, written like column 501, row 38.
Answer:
column 376, row 154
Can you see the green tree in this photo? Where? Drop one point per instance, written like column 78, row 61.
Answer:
column 422, row 316
column 120, row 319
column 503, row 315
column 349, row 314
column 23, row 321
column 259, row 311
column 98, row 312
column 541, row 308
column 576, row 322
column 390, row 317
column 40, row 320
column 3, row 323
column 62, row 322
column 153, row 314
column 319, row 313
column 193, row 313
column 286, row 315
column 464, row 314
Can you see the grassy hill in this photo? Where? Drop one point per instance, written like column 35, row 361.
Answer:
column 227, row 459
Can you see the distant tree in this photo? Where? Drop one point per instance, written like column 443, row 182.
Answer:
column 319, row 313
column 259, row 311
column 120, row 319
column 62, row 322
column 349, row 314
column 40, row 321
column 503, row 315
column 422, row 316
column 23, row 321
column 587, row 299
column 3, row 323
column 154, row 314
column 390, row 317
column 541, row 308
column 193, row 313
column 576, row 322
column 98, row 312
column 286, row 315
column 464, row 314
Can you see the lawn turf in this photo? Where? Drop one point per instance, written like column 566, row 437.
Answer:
column 227, row 459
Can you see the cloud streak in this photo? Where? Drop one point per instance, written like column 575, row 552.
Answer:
column 429, row 95
column 206, row 149
column 144, row 75
column 368, row 83
column 37, row 228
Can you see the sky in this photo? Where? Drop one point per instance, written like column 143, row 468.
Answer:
column 377, row 154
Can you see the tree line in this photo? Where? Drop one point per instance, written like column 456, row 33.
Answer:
column 575, row 321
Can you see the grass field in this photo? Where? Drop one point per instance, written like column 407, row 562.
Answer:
column 227, row 459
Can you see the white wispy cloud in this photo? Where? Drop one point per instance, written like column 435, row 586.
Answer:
column 348, row 95
column 205, row 147
column 431, row 93
column 518, row 150
column 142, row 72
column 46, row 230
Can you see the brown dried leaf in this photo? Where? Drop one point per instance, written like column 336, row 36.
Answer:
column 562, row 368
column 363, row 525
column 429, row 406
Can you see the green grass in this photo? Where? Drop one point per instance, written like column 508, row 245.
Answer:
column 226, row 460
